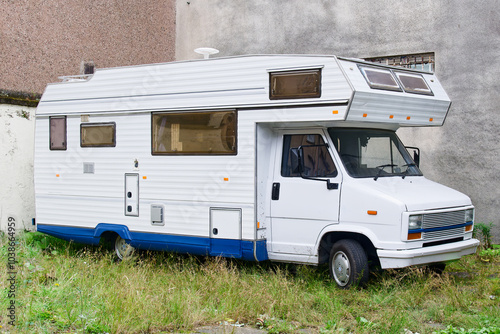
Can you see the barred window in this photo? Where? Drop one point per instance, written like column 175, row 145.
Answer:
column 421, row 61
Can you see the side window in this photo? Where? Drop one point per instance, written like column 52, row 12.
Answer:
column 317, row 160
column 194, row 133
column 295, row 84
column 98, row 135
column 57, row 133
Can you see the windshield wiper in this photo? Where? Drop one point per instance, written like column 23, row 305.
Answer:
column 403, row 174
column 382, row 169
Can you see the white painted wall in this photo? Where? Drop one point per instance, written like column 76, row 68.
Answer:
column 17, row 198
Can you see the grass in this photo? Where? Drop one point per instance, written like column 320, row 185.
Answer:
column 68, row 288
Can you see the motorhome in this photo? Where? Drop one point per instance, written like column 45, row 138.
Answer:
column 290, row 158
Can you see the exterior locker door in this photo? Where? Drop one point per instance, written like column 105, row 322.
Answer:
column 132, row 194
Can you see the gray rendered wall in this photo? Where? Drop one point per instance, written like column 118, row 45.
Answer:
column 465, row 36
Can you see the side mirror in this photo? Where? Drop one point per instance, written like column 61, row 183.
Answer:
column 296, row 161
column 416, row 154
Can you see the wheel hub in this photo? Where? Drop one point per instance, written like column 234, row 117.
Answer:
column 342, row 269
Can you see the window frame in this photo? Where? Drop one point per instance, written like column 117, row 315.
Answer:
column 396, row 88
column 284, row 163
column 65, row 143
column 192, row 153
column 413, row 90
column 97, row 124
column 285, row 73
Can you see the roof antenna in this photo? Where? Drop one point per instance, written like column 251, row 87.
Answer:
column 206, row 52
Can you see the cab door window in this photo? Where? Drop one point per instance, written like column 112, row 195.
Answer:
column 317, row 160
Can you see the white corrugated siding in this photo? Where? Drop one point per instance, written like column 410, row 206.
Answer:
column 212, row 83
column 187, row 186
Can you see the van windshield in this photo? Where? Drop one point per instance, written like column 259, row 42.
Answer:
column 372, row 153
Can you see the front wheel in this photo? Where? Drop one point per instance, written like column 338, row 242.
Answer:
column 122, row 249
column 348, row 264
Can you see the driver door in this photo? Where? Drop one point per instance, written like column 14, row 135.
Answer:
column 301, row 208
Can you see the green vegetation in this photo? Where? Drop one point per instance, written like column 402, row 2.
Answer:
column 68, row 288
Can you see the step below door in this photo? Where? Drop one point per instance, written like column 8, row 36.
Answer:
column 225, row 232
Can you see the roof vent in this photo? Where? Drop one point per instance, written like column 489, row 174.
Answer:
column 206, row 52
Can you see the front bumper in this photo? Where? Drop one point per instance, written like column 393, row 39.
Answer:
column 409, row 257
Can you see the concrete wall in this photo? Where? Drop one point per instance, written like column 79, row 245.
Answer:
column 465, row 36
column 41, row 40
column 17, row 199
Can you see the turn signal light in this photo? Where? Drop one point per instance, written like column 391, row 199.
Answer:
column 414, row 236
column 468, row 228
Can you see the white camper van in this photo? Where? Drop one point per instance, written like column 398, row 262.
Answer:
column 269, row 157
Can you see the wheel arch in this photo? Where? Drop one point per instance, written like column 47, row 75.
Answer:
column 106, row 231
column 330, row 238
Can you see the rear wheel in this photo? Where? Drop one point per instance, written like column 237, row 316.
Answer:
column 348, row 264
column 122, row 249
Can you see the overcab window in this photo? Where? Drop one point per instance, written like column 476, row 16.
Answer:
column 98, row 135
column 194, row 133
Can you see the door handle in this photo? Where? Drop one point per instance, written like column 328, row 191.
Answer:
column 276, row 191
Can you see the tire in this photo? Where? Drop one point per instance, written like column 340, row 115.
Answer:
column 348, row 264
column 122, row 249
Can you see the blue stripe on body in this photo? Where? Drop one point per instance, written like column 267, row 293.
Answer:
column 240, row 249
column 442, row 228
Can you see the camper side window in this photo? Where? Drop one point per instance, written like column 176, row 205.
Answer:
column 295, row 84
column 194, row 133
column 317, row 160
column 57, row 133
column 98, row 135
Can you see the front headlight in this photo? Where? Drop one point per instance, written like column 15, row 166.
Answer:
column 469, row 215
column 415, row 222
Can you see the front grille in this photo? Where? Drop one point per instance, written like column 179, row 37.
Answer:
column 433, row 220
column 443, row 219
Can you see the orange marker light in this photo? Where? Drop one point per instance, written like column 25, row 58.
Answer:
column 57, row 175
column 258, row 224
column 335, row 112
column 226, row 179
column 414, row 236
column 372, row 212
column 431, row 119
column 391, row 117
column 364, row 115
column 408, row 118
column 144, row 177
